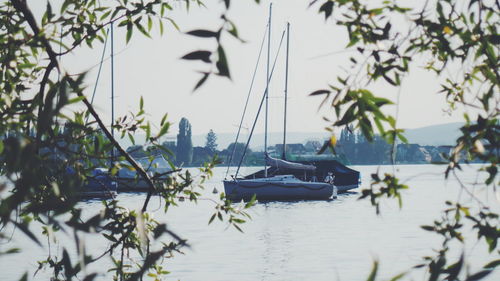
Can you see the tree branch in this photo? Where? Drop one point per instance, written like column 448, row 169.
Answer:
column 21, row 6
column 122, row 151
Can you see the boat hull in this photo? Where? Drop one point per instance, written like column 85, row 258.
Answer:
column 132, row 184
column 97, row 194
column 99, row 185
column 136, row 184
column 346, row 188
column 345, row 178
column 237, row 190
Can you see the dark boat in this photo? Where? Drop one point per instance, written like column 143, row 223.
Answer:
column 345, row 178
column 99, row 184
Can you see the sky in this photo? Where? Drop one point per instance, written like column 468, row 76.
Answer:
column 152, row 68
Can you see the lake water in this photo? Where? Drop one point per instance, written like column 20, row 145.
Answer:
column 315, row 240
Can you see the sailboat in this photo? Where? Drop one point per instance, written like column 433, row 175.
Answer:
column 128, row 179
column 99, row 184
column 277, row 187
column 155, row 166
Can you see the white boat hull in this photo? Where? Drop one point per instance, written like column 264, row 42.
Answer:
column 277, row 188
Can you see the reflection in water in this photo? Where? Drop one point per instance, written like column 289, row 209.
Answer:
column 275, row 258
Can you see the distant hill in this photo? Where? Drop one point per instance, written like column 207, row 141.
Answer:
column 225, row 139
column 443, row 134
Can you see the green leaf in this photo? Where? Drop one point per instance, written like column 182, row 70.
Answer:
column 327, row 8
column 49, row 11
column 212, row 218
column 326, row 144
column 173, row 23
column 65, row 5
column 198, row 55
column 26, row 231
column 147, row 128
column 164, row 129
column 203, row 33
column 353, row 41
column 402, row 137
column 492, row 264
column 349, row 115
column 201, row 81
column 320, row 92
column 75, row 100
column 142, row 29
column 105, row 15
column 234, row 31
column 160, row 22
column 110, row 238
column 221, row 64
column 251, row 202
column 24, row 277
column 373, row 273
column 13, row 251
column 479, row 275
column 67, row 263
column 238, row 228
column 131, row 138
column 150, row 23
column 130, row 30
column 454, row 269
column 163, row 119
column 399, row 276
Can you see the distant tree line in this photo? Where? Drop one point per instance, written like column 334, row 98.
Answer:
column 352, row 148
column 357, row 150
column 182, row 152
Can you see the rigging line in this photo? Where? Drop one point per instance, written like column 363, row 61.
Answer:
column 58, row 99
column 112, row 94
column 59, row 75
column 331, row 54
column 260, row 106
column 230, row 157
column 59, row 58
column 394, row 145
column 99, row 71
column 267, row 85
column 106, row 59
column 286, row 88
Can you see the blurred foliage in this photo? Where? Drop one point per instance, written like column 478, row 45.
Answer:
column 49, row 147
column 39, row 142
column 387, row 41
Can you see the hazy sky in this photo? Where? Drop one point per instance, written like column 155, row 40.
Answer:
column 151, row 68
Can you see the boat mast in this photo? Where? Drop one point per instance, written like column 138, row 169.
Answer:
column 230, row 157
column 286, row 87
column 112, row 93
column 267, row 86
column 260, row 107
